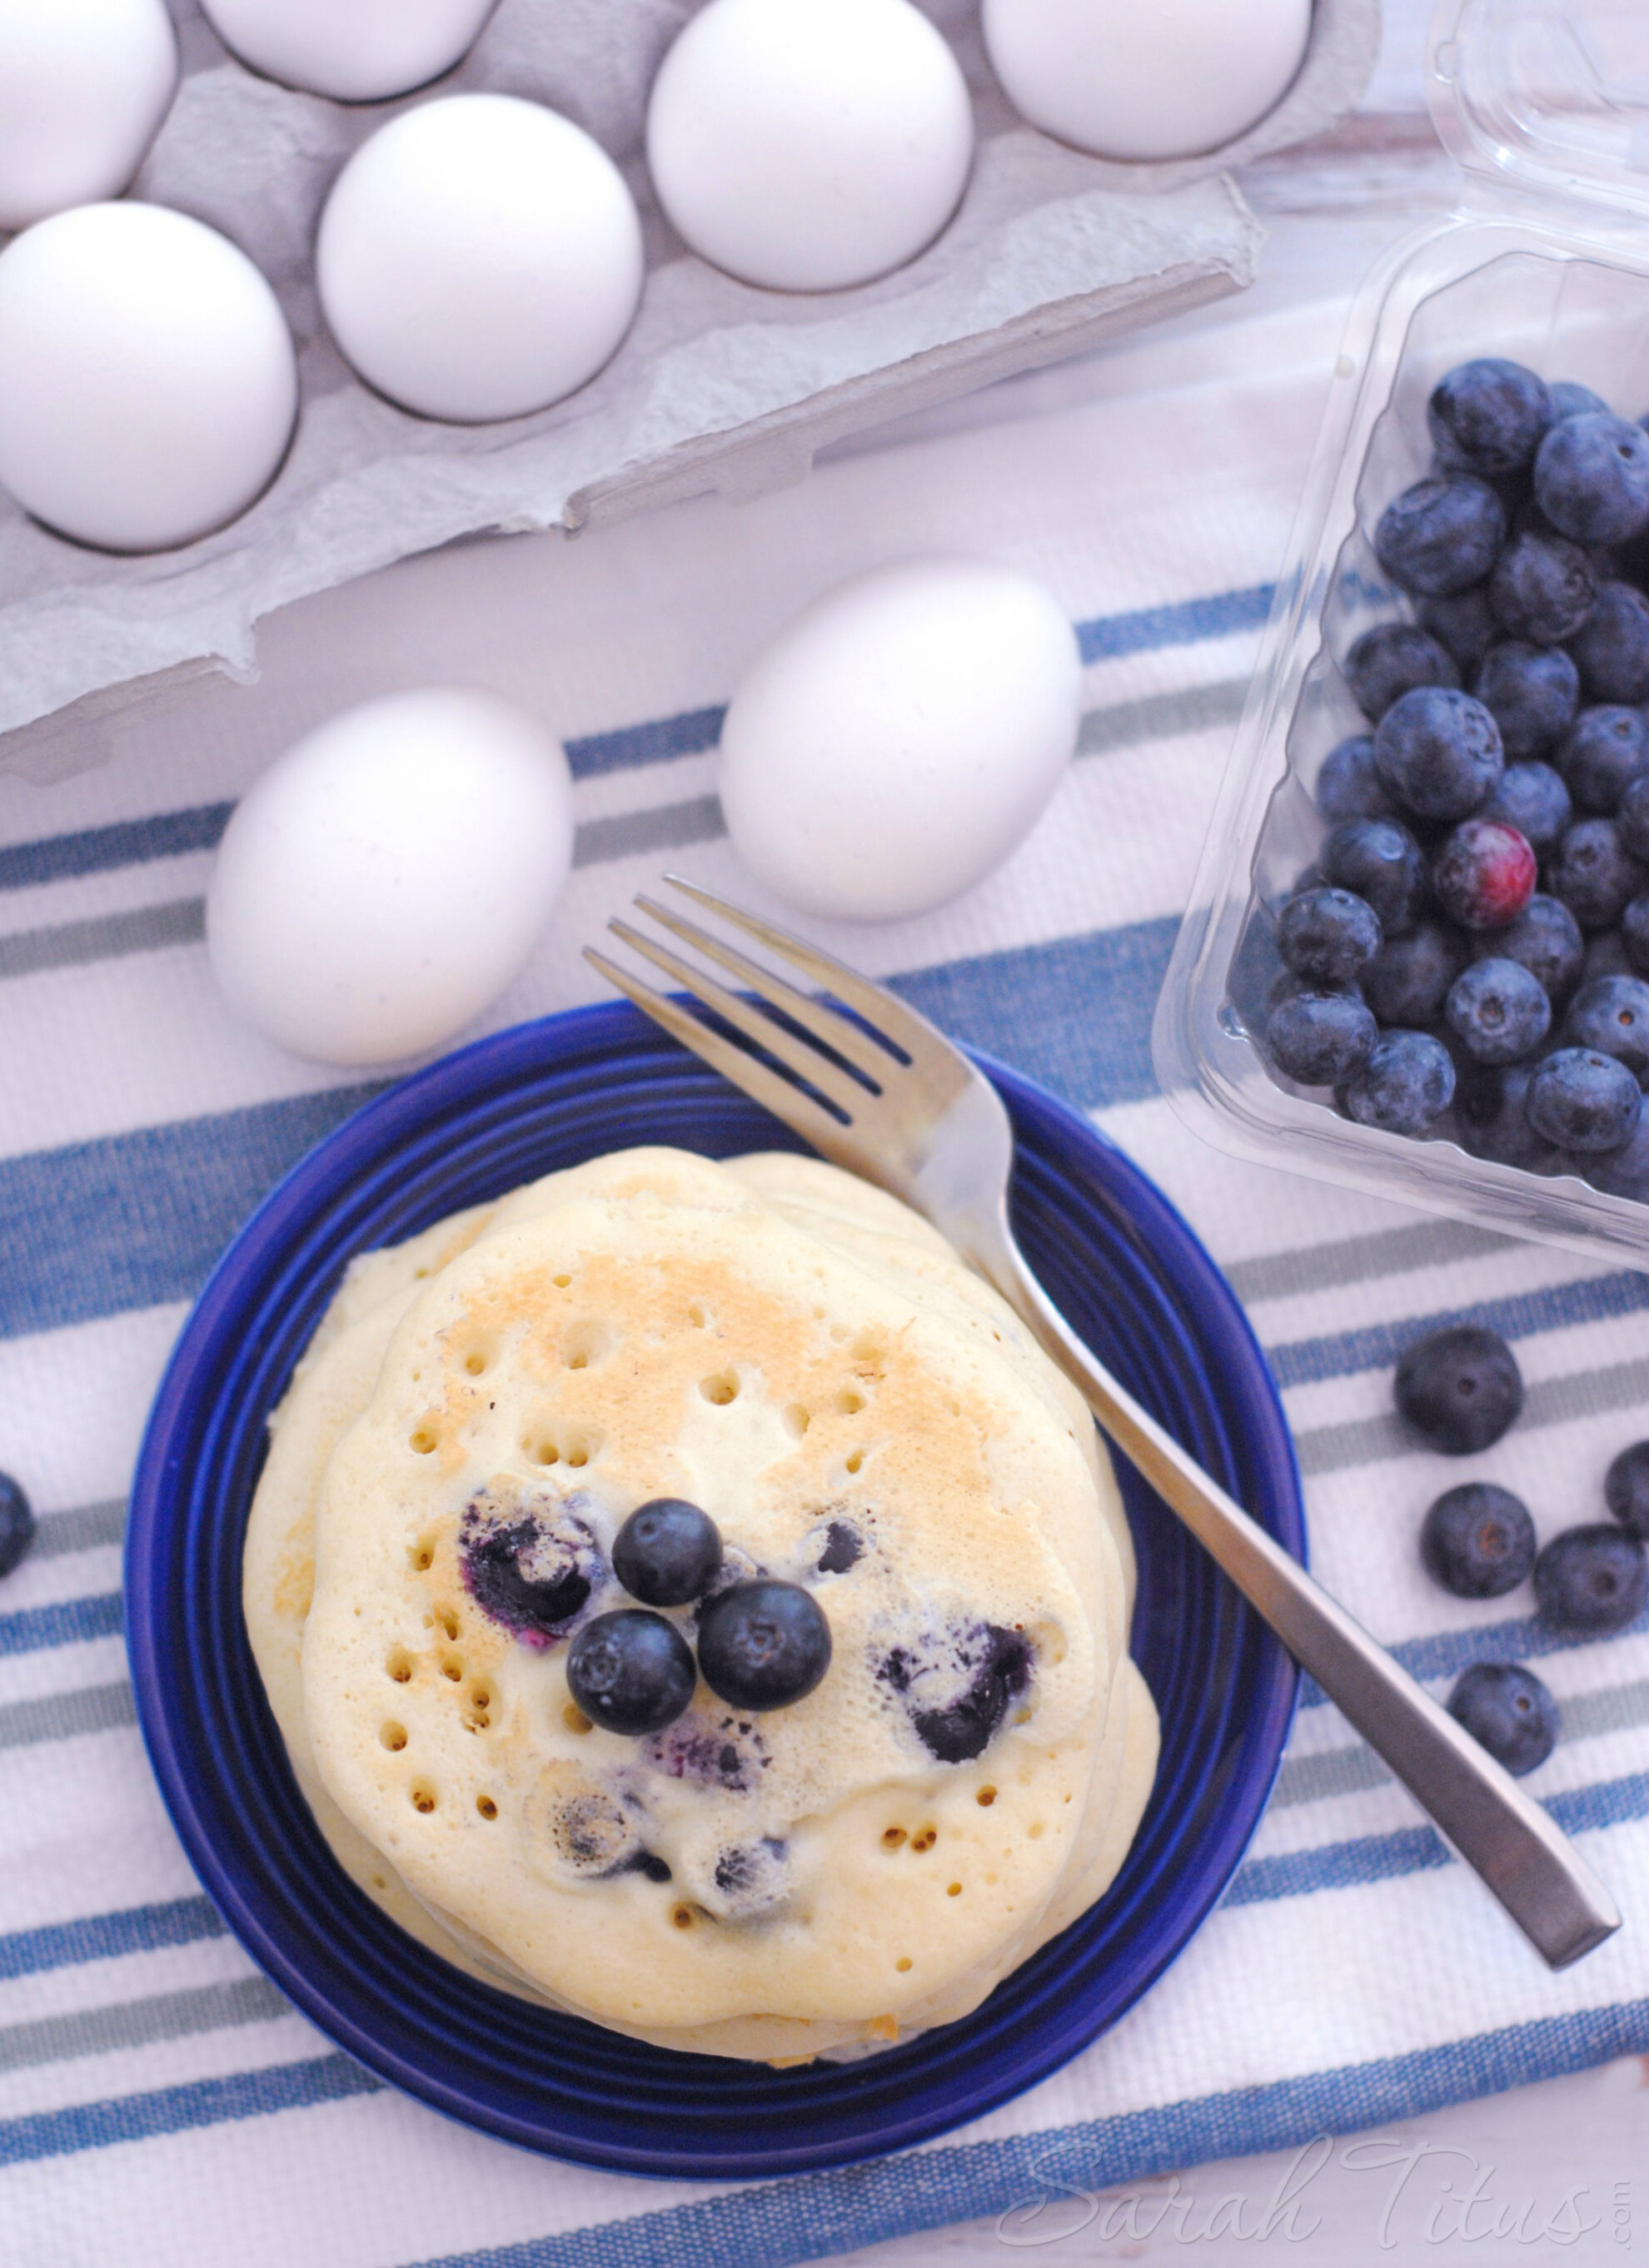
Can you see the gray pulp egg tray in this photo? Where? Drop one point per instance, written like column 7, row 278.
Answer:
column 719, row 386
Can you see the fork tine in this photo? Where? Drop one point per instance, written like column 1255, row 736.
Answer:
column 821, row 1023
column 803, row 1113
column 839, row 1091
column 909, row 1032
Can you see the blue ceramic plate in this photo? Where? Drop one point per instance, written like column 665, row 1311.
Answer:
column 1132, row 1278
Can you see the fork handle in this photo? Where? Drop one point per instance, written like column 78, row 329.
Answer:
column 1501, row 1833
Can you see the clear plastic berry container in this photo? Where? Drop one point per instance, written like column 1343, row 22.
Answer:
column 1545, row 104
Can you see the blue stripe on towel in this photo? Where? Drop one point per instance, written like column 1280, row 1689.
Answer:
column 1113, row 635
column 137, row 1220
column 129, row 843
column 108, row 1936
column 1557, row 1307
column 1445, row 1654
column 66, row 1622
column 689, row 734
column 175, row 2109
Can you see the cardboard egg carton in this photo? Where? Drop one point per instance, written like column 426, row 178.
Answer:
column 719, row 386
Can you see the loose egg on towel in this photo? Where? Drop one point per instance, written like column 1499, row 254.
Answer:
column 900, row 738
column 808, row 145
column 354, row 50
column 84, row 85
column 386, row 877
column 1132, row 81
column 479, row 258
column 148, row 385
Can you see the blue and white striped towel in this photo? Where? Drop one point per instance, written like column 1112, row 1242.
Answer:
column 159, row 2105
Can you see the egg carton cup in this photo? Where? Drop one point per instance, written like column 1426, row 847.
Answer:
column 719, row 386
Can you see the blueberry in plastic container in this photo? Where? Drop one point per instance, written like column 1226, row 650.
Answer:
column 1391, row 660
column 17, row 1523
column 1328, row 935
column 1604, row 751
column 1459, row 1388
column 1606, row 955
column 1582, row 1100
column 1487, row 416
column 1489, row 1108
column 1439, row 753
column 1570, row 400
column 1508, row 1711
column 1546, row 939
column 1592, row 478
column 1611, row 648
column 1442, row 535
column 1407, row 980
column 1631, row 820
column 1406, row 1085
column 1349, row 786
column 1634, row 935
column 1626, row 1489
column 1500, row 1011
column 1379, row 861
column 1610, row 1015
column 1593, row 874
column 1623, row 1173
column 1542, row 588
column 1532, row 798
column 1463, row 621
column 1532, row 692
column 1592, row 1580
column 1477, row 1541
column 1484, row 874
column 1320, row 1038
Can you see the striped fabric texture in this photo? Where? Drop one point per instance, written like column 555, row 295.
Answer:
column 159, row 2103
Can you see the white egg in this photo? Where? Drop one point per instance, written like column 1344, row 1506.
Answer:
column 478, row 258
column 1131, row 82
column 809, row 145
column 901, row 737
column 148, row 383
column 354, row 50
column 84, row 85
column 388, row 877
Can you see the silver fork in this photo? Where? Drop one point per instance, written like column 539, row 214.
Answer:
column 908, row 1110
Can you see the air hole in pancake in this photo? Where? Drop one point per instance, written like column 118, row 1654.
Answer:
column 580, row 1451
column 868, row 1348
column 698, row 1318
column 797, row 1420
column 485, row 1805
column 475, row 1362
column 953, row 1890
column 586, row 1343
column 544, row 1451
column 924, row 1838
column 721, row 1389
column 423, row 1554
column 378, row 1882
column 423, row 1439
column 448, row 1621
column 392, row 1736
column 454, row 1668
column 423, row 1796
column 892, row 1837
column 561, row 1282
column 481, row 1696
column 903, row 1963
column 1048, row 1638
column 1034, row 1829
column 986, row 1797
column 856, row 1461
column 683, row 1916
column 400, row 1667
column 850, row 1402
column 573, row 1718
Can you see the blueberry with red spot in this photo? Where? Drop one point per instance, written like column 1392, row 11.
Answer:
column 1459, row 1388
column 1485, row 874
column 763, row 1645
column 1611, row 648
column 1477, row 1541
column 631, row 1671
column 1583, row 1100
column 1500, row 1011
column 1592, row 1580
column 1626, row 1489
column 1592, row 478
column 1439, row 753
column 1441, row 535
column 17, row 1523
column 1487, row 416
column 1406, row 1085
column 1542, row 588
column 667, row 1552
column 1379, row 862
column 1508, row 1711
column 1594, row 874
column 1328, row 935
column 1393, row 659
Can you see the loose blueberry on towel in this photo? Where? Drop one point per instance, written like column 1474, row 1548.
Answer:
column 1477, row 1541
column 1626, row 1489
column 763, row 1645
column 1439, row 753
column 1592, row 478
column 956, row 1681
column 1459, row 1388
column 1442, row 535
column 1508, row 1711
column 1499, row 1010
column 1406, row 1085
column 1487, row 416
column 1532, row 692
column 630, row 1672
column 1583, row 1100
column 1328, row 935
column 17, row 1523
column 1592, row 1580
column 667, row 1552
